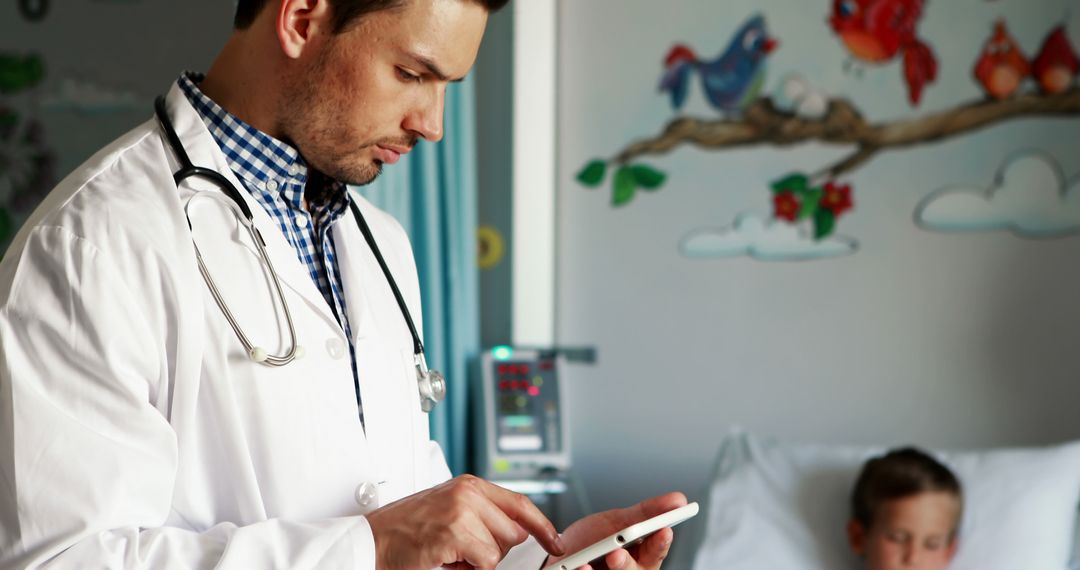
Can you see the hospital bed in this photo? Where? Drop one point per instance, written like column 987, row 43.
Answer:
column 784, row 506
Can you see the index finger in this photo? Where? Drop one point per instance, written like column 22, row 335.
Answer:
column 522, row 511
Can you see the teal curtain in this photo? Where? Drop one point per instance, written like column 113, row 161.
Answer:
column 432, row 192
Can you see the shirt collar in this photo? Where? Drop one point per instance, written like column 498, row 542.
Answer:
column 254, row 156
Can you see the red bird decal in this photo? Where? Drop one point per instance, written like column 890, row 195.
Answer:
column 1001, row 67
column 877, row 31
column 1056, row 66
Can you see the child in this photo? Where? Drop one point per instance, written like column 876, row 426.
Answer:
column 905, row 512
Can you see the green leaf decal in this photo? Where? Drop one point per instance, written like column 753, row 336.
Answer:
column 824, row 223
column 593, row 173
column 624, row 186
column 791, row 183
column 647, row 177
column 18, row 73
column 810, row 203
column 35, row 69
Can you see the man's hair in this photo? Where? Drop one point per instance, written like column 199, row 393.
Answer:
column 899, row 474
column 343, row 12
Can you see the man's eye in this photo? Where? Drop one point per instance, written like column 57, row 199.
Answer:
column 408, row 76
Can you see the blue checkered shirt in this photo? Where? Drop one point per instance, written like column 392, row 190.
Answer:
column 276, row 175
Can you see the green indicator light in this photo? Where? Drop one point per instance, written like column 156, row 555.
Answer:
column 518, row 421
column 502, row 352
column 538, row 381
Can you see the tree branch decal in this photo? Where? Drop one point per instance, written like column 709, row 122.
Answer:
column 761, row 123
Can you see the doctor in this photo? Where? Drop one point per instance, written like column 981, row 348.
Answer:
column 138, row 431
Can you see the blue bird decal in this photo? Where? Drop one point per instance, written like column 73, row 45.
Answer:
column 733, row 80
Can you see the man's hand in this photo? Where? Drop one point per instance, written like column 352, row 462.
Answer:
column 463, row 523
column 646, row 556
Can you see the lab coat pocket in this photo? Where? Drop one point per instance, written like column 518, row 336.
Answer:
column 387, row 403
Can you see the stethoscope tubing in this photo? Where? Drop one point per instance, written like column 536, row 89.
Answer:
column 418, row 346
column 187, row 170
column 295, row 350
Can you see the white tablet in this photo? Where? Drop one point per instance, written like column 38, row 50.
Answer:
column 627, row 537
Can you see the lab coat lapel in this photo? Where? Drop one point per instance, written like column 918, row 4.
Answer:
column 203, row 150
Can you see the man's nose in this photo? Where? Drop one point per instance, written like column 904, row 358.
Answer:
column 426, row 120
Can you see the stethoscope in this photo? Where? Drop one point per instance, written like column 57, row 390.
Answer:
column 431, row 383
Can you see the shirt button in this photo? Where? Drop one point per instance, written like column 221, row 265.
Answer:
column 367, row 495
column 301, row 221
column 271, row 185
column 335, row 347
column 294, row 169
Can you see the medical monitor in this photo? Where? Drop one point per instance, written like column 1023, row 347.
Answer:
column 525, row 432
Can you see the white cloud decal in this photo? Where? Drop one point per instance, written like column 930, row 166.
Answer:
column 764, row 240
column 88, row 97
column 1029, row 197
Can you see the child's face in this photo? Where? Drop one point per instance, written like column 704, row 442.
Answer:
column 915, row 532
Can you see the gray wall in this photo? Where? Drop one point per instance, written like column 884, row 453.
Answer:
column 105, row 61
column 951, row 340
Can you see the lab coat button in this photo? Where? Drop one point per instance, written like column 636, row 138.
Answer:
column 335, row 347
column 367, row 494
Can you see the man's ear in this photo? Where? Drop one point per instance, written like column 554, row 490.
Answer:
column 856, row 535
column 297, row 23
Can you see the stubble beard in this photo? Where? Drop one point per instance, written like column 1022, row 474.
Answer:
column 312, row 122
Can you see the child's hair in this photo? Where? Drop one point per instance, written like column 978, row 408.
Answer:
column 898, row 474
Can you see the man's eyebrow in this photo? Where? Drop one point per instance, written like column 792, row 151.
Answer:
column 433, row 68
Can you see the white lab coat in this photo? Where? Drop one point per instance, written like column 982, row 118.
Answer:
column 134, row 430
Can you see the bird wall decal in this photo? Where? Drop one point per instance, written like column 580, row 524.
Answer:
column 731, row 81
column 879, row 31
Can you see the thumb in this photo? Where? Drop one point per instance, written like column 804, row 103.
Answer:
column 655, row 506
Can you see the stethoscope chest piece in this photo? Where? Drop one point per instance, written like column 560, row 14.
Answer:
column 431, row 383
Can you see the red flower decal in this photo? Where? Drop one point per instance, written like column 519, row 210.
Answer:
column 837, row 199
column 786, row 206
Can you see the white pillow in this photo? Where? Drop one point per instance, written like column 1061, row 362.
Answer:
column 784, row 506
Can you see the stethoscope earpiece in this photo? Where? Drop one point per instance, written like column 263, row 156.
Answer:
column 258, row 354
